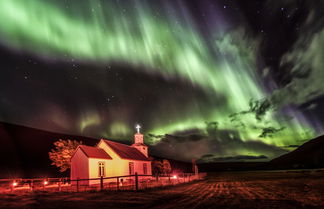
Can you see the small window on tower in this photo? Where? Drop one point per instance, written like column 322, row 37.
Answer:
column 131, row 168
column 144, row 168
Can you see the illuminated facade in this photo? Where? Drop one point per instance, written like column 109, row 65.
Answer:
column 110, row 159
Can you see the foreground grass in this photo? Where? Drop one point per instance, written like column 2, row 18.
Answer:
column 219, row 190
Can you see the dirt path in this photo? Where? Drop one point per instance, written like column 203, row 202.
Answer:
column 222, row 190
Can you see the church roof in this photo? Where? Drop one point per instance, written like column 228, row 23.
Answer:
column 126, row 152
column 94, row 152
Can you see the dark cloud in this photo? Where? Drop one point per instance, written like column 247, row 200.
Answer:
column 293, row 146
column 300, row 69
column 257, row 107
column 269, row 131
column 240, row 158
column 216, row 143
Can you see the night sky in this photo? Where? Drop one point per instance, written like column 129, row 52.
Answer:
column 212, row 80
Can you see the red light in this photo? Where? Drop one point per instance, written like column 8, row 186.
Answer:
column 175, row 176
column 45, row 182
column 14, row 184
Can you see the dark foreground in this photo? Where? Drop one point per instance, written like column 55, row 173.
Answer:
column 220, row 190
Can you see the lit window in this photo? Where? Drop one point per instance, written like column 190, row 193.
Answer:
column 101, row 171
column 145, row 168
column 131, row 168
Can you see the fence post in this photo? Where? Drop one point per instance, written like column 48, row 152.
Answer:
column 101, row 183
column 77, row 184
column 12, row 185
column 136, row 181
column 117, row 183
column 44, row 184
column 32, row 185
column 59, row 185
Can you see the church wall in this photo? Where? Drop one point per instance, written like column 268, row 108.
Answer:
column 79, row 167
column 94, row 168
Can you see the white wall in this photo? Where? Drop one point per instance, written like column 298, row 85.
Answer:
column 94, row 169
column 79, row 167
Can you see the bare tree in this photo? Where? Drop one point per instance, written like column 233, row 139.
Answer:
column 62, row 153
column 166, row 167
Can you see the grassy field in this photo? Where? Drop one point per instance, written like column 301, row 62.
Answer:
column 286, row 189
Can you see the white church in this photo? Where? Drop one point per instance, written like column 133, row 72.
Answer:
column 109, row 159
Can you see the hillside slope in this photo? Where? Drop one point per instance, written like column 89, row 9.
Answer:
column 24, row 151
column 308, row 155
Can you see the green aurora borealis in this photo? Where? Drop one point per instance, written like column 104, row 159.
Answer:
column 168, row 42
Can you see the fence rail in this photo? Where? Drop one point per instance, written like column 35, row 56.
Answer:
column 127, row 182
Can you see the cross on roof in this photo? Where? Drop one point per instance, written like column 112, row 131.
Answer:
column 138, row 127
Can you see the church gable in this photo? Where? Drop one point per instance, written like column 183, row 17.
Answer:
column 103, row 145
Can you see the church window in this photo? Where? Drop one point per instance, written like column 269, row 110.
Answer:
column 101, row 169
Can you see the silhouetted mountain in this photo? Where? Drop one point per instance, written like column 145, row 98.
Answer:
column 232, row 166
column 308, row 155
column 24, row 151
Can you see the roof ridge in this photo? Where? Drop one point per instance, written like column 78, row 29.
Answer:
column 118, row 143
column 93, row 152
column 125, row 151
column 95, row 147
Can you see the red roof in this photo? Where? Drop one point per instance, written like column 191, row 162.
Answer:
column 126, row 152
column 94, row 152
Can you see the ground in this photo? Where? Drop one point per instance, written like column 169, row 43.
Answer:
column 284, row 189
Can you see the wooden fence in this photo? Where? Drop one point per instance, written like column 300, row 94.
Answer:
column 129, row 182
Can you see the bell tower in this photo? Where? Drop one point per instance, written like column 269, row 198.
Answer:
column 139, row 142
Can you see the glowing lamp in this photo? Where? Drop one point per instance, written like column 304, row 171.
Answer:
column 14, row 184
column 45, row 182
column 175, row 176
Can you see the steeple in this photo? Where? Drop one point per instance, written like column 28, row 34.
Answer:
column 139, row 141
column 138, row 136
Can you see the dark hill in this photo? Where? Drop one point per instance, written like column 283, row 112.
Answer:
column 24, row 151
column 308, row 155
column 232, row 166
